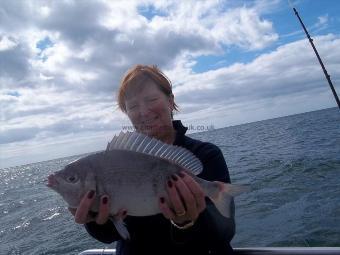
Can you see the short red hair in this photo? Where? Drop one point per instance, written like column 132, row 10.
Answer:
column 136, row 76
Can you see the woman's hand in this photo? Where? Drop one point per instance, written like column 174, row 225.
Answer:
column 83, row 215
column 186, row 199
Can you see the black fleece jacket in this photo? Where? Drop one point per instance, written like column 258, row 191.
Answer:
column 211, row 233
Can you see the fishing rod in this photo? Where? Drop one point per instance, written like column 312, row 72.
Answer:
column 328, row 77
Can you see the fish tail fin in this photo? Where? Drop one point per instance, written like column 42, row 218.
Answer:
column 222, row 195
column 121, row 228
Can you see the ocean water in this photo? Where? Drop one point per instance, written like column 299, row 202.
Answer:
column 292, row 164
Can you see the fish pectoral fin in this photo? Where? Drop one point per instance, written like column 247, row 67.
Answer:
column 121, row 228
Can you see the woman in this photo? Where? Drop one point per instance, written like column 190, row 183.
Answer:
column 189, row 223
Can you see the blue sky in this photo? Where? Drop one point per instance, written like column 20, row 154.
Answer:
column 230, row 62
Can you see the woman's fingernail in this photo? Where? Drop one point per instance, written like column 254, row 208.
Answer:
column 162, row 200
column 174, row 177
column 105, row 200
column 90, row 194
column 181, row 174
column 169, row 184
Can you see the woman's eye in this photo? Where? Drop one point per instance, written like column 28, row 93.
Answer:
column 132, row 107
column 152, row 99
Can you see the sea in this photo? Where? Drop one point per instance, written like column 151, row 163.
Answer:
column 291, row 163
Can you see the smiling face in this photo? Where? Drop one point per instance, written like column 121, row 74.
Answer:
column 149, row 110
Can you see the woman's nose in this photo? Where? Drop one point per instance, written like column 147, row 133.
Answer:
column 143, row 110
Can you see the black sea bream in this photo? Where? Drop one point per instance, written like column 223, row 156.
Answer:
column 133, row 172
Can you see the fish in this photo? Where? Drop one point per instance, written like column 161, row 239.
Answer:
column 133, row 172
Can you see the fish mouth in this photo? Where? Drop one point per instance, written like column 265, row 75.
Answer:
column 52, row 181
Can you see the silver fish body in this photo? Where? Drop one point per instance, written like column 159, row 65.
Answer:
column 133, row 172
column 132, row 180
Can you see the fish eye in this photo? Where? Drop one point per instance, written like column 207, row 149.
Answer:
column 72, row 179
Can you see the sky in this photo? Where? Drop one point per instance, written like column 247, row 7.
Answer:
column 230, row 62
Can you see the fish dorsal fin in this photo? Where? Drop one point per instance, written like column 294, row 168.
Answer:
column 134, row 141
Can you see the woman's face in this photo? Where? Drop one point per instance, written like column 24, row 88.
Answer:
column 149, row 110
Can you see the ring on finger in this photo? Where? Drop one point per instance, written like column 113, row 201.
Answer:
column 179, row 214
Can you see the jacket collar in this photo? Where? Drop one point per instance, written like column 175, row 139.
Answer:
column 180, row 131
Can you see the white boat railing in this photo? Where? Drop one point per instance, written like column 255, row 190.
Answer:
column 251, row 251
column 103, row 251
column 288, row 251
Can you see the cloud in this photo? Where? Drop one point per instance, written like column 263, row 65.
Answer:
column 51, row 112
column 100, row 43
column 13, row 59
column 322, row 20
column 7, row 43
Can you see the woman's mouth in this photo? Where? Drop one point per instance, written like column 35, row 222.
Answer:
column 149, row 121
